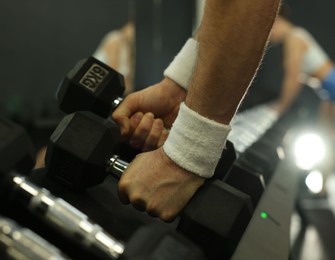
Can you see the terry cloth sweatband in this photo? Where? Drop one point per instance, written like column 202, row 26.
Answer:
column 181, row 68
column 195, row 143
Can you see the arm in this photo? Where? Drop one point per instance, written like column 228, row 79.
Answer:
column 231, row 47
column 232, row 39
column 294, row 50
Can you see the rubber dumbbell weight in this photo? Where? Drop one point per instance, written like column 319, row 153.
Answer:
column 94, row 86
column 91, row 86
column 16, row 149
column 148, row 242
column 80, row 155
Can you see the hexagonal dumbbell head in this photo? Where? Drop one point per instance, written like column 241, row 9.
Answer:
column 216, row 217
column 79, row 149
column 16, row 149
column 91, row 86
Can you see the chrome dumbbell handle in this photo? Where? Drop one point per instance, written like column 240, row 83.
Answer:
column 65, row 218
column 116, row 166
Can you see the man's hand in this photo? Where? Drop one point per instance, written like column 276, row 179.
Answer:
column 155, row 184
column 144, row 115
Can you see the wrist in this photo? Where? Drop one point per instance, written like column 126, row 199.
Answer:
column 180, row 70
column 176, row 92
column 195, row 143
column 169, row 163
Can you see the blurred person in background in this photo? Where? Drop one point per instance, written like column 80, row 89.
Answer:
column 117, row 50
column 302, row 55
column 305, row 59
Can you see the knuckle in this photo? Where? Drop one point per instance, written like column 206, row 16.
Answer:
column 167, row 215
column 123, row 186
column 137, row 201
column 136, row 198
column 152, row 208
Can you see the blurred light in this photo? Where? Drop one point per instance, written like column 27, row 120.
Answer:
column 309, row 150
column 314, row 181
column 264, row 215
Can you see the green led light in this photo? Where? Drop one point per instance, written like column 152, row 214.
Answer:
column 264, row 215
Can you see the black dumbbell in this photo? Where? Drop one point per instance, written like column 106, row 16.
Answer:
column 16, row 149
column 19, row 195
column 227, row 159
column 252, row 170
column 94, row 86
column 90, row 86
column 246, row 179
column 261, row 158
column 80, row 154
column 149, row 242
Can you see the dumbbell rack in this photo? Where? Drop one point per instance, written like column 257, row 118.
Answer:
column 267, row 237
column 248, row 126
column 268, row 233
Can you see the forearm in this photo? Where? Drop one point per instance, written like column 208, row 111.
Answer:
column 290, row 89
column 232, row 39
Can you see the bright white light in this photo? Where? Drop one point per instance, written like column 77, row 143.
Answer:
column 309, row 150
column 314, row 181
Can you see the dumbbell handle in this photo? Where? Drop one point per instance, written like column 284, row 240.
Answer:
column 63, row 217
column 116, row 102
column 17, row 240
column 116, row 166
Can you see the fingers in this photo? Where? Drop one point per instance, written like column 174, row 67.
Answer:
column 148, row 133
column 163, row 138
column 126, row 187
column 154, row 135
column 142, row 130
column 155, row 184
column 125, row 110
column 139, row 199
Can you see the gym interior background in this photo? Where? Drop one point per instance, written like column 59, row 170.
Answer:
column 41, row 40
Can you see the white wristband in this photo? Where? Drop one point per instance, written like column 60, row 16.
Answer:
column 181, row 68
column 195, row 143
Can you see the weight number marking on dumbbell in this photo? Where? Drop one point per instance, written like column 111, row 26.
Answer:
column 93, row 77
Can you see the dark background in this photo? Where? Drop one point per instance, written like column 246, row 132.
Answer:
column 41, row 40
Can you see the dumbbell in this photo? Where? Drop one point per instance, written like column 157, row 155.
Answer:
column 252, row 170
column 94, row 86
column 260, row 159
column 80, row 155
column 16, row 149
column 91, row 86
column 246, row 179
column 17, row 242
column 148, row 242
column 19, row 196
